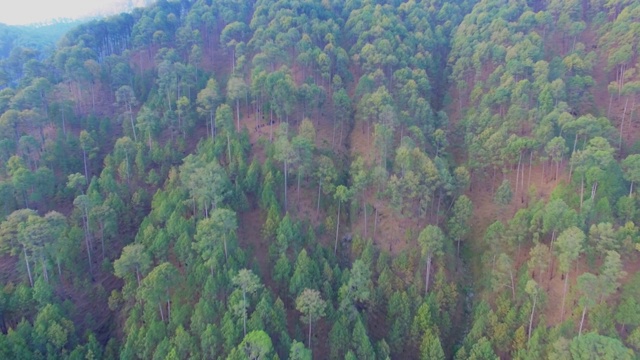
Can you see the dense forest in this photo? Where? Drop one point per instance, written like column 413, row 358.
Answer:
column 298, row 179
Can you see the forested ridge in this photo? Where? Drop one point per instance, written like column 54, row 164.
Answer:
column 298, row 179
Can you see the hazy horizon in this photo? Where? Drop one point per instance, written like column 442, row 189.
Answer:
column 28, row 12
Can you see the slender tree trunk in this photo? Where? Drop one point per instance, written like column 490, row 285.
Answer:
column 212, row 125
column 438, row 207
column 581, row 191
column 335, row 247
column 226, row 256
column 375, row 224
column 133, row 127
column 631, row 189
column 84, row 158
column 244, row 313
column 93, row 99
column 285, row 186
column 87, row 240
column 64, row 128
column 533, row 309
column 427, row 276
column 624, row 113
column 522, row 177
column 584, row 312
column 168, row 307
column 26, row 261
column 575, row 141
column 564, row 295
column 513, row 286
column 309, row 332
column 238, row 113
column 530, row 166
column 610, row 101
column 333, row 137
column 341, row 129
column 298, row 189
column 102, row 238
column 271, row 125
column 161, row 312
column 26, row 200
column 318, row 207
column 364, row 205
column 518, row 174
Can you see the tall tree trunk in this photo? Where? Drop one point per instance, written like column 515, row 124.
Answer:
column 564, row 295
column 285, row 186
column 427, row 276
column 64, row 128
column 624, row 113
column 513, row 286
column 244, row 313
column 584, row 312
column 86, row 238
column 335, row 247
column 26, row 261
column 238, row 113
column 298, row 189
column 518, row 174
column 271, row 125
column 168, row 307
column 533, row 309
column 161, row 312
column 333, row 137
column 341, row 130
column 93, row 99
column 375, row 224
column 575, row 141
column 102, row 238
column 364, row 205
column 44, row 268
column 318, row 207
column 224, row 241
column 133, row 127
column 309, row 332
column 610, row 101
column 84, row 158
column 530, row 166
column 212, row 124
column 581, row 192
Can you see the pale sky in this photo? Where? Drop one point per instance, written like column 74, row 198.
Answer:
column 22, row 12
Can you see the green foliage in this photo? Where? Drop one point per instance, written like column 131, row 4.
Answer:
column 446, row 97
column 594, row 346
column 503, row 194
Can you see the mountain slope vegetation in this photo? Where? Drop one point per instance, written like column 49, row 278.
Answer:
column 417, row 179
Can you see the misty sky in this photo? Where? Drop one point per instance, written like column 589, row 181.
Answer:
column 22, row 12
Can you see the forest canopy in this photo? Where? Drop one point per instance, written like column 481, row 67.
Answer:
column 280, row 179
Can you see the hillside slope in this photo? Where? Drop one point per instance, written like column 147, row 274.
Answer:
column 305, row 179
